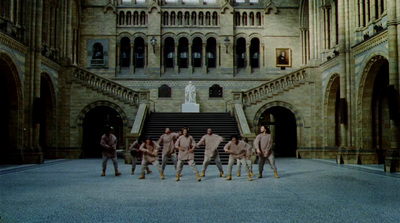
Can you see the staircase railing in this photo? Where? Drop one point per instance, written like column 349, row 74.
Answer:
column 127, row 95
column 272, row 87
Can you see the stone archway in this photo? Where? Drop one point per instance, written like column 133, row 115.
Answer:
column 332, row 114
column 374, row 134
column 286, row 124
column 47, row 138
column 11, row 115
column 92, row 120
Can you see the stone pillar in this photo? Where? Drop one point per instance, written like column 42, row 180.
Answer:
column 117, row 56
column 132, row 59
column 261, row 58
column 362, row 18
column 333, row 24
column 190, row 58
column 311, row 16
column 176, row 55
column 248, row 67
column 372, row 10
column 392, row 161
column 203, row 58
column 344, row 154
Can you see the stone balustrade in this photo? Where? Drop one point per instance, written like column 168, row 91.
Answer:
column 134, row 97
column 272, row 87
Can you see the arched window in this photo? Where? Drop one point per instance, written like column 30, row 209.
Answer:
column 135, row 18
column 139, row 53
column 251, row 19
column 180, row 18
column 173, row 18
column 166, row 18
column 129, row 18
column 237, row 14
column 208, row 18
column 255, row 53
column 125, row 56
column 121, row 18
column 194, row 18
column 169, row 52
column 244, row 19
column 183, row 50
column 142, row 18
column 215, row 19
column 187, row 18
column 258, row 18
column 201, row 18
column 97, row 50
column 197, row 51
column 211, row 52
column 241, row 53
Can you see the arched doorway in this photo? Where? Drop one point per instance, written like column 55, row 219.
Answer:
column 282, row 123
column 332, row 113
column 10, row 88
column 376, row 129
column 47, row 113
column 93, row 129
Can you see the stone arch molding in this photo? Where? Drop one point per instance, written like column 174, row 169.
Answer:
column 300, row 123
column 328, row 89
column 85, row 110
column 297, row 114
column 360, row 94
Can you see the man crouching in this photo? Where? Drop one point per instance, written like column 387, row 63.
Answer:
column 238, row 150
column 150, row 155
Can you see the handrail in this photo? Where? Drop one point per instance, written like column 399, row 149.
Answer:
column 269, row 88
column 134, row 97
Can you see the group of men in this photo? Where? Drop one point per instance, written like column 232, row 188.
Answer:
column 238, row 150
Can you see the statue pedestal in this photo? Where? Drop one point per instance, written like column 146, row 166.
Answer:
column 190, row 107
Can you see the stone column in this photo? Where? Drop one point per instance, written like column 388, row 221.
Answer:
column 372, row 10
column 117, row 56
column 203, row 58
column 190, row 58
column 132, row 59
column 343, row 152
column 311, row 16
column 248, row 67
column 392, row 161
column 176, row 55
column 333, row 24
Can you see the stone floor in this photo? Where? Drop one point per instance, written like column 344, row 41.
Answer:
column 308, row 191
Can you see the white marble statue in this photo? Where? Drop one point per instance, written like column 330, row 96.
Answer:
column 190, row 94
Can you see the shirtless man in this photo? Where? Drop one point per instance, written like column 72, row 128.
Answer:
column 211, row 142
column 263, row 144
column 186, row 144
column 237, row 149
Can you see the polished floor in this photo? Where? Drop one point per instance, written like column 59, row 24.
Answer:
column 307, row 191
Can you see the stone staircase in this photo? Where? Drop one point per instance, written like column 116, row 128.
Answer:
column 222, row 124
column 272, row 88
column 109, row 88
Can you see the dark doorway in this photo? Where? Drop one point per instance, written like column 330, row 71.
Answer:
column 93, row 129
column 381, row 129
column 282, row 123
column 211, row 52
column 139, row 52
column 47, row 121
column 125, row 52
column 9, row 112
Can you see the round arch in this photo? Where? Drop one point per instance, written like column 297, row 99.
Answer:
column 11, row 121
column 331, row 114
column 300, row 123
column 91, row 123
column 48, row 112
column 374, row 135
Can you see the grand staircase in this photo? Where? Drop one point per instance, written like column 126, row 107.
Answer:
column 222, row 124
